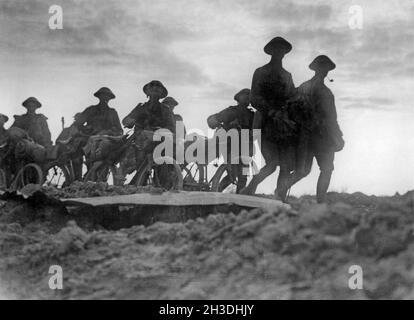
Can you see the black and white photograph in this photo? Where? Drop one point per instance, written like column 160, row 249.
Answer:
column 192, row 151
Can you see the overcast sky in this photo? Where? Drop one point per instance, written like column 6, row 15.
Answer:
column 206, row 51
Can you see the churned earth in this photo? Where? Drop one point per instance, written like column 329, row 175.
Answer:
column 300, row 253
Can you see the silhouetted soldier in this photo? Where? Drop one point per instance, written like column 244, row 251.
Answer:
column 235, row 117
column 171, row 103
column 3, row 131
column 99, row 119
column 272, row 86
column 326, row 137
column 35, row 124
column 151, row 116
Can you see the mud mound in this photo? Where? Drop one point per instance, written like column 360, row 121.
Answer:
column 304, row 252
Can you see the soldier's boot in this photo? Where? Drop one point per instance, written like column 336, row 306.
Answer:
column 323, row 185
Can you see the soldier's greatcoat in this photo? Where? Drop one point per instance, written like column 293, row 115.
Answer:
column 327, row 131
column 151, row 115
column 36, row 127
column 99, row 119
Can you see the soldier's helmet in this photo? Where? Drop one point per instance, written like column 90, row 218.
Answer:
column 241, row 93
column 155, row 83
column 32, row 101
column 4, row 118
column 278, row 44
column 104, row 91
column 170, row 101
column 322, row 62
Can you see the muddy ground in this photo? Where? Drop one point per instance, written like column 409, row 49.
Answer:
column 299, row 253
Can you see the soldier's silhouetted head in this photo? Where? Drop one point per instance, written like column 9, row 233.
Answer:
column 31, row 104
column 278, row 47
column 155, row 89
column 243, row 97
column 322, row 64
column 104, row 94
column 170, row 102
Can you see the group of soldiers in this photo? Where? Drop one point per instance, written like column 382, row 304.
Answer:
column 271, row 91
column 297, row 124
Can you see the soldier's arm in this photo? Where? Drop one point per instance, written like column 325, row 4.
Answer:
column 116, row 124
column 257, row 101
column 82, row 118
column 18, row 122
column 290, row 88
column 170, row 120
column 227, row 115
column 327, row 103
column 47, row 137
column 130, row 120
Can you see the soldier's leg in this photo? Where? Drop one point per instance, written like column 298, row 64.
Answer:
column 326, row 165
column 77, row 164
column 270, row 155
column 241, row 177
column 300, row 174
column 287, row 165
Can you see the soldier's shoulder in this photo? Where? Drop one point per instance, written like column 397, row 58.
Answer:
column 113, row 110
column 41, row 116
column 262, row 69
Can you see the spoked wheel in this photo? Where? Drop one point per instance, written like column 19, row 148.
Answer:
column 29, row 174
column 225, row 179
column 166, row 176
column 57, row 175
column 103, row 172
column 195, row 177
column 109, row 174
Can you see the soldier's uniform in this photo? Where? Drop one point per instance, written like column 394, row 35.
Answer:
column 35, row 124
column 271, row 87
column 99, row 119
column 235, row 117
column 326, row 137
column 149, row 116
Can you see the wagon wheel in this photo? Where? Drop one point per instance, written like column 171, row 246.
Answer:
column 29, row 174
column 57, row 175
column 167, row 176
column 224, row 179
column 195, row 177
column 109, row 174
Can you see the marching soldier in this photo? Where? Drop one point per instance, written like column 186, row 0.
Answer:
column 326, row 136
column 99, row 119
column 35, row 124
column 272, row 86
column 235, row 117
